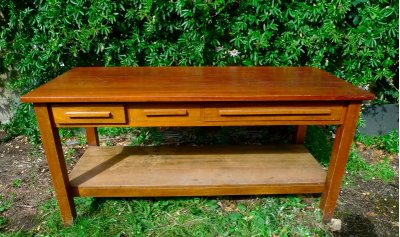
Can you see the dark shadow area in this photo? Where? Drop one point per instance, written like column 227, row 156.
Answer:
column 99, row 201
column 369, row 209
column 357, row 226
column 219, row 135
column 98, row 169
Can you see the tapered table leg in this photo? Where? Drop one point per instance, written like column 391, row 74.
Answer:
column 300, row 134
column 339, row 157
column 56, row 162
column 92, row 136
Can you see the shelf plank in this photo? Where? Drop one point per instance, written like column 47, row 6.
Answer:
column 196, row 171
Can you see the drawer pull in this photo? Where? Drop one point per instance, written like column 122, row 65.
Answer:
column 165, row 112
column 273, row 111
column 97, row 114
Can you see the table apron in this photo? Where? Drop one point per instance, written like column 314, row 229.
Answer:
column 198, row 114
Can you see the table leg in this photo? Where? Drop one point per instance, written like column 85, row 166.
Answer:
column 337, row 166
column 92, row 136
column 300, row 134
column 56, row 162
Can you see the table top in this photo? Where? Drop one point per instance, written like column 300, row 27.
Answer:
column 195, row 84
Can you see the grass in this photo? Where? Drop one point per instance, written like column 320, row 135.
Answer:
column 319, row 142
column 5, row 203
column 357, row 166
column 382, row 170
column 388, row 142
column 146, row 136
column 114, row 131
column 17, row 183
column 67, row 133
column 258, row 216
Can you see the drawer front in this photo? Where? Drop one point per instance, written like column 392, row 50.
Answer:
column 89, row 114
column 163, row 114
column 270, row 112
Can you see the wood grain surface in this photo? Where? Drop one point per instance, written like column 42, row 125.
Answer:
column 196, row 96
column 89, row 113
column 183, row 171
column 184, row 84
column 56, row 162
column 337, row 165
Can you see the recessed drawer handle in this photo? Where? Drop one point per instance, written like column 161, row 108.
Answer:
column 97, row 114
column 165, row 112
column 272, row 111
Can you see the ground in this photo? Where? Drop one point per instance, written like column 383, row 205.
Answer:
column 24, row 183
column 366, row 208
column 370, row 208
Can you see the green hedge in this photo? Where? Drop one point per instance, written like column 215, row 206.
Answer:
column 357, row 40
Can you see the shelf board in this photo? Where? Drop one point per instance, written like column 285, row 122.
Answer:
column 196, row 171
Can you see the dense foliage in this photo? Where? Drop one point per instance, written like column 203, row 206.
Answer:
column 355, row 39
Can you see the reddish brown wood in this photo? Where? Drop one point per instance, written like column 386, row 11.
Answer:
column 56, row 163
column 274, row 111
column 200, row 123
column 165, row 112
column 172, row 84
column 197, row 190
column 339, row 157
column 250, row 111
column 88, row 113
column 300, row 135
column 198, row 114
column 188, row 171
column 196, row 96
column 162, row 114
column 92, row 137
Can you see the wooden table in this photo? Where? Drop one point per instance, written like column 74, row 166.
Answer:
column 195, row 96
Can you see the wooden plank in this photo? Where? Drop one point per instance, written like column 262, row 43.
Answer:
column 92, row 136
column 273, row 111
column 56, row 163
column 207, row 114
column 183, row 84
column 337, row 165
column 187, row 171
column 196, row 190
column 89, row 113
column 165, row 113
column 300, row 134
column 169, row 122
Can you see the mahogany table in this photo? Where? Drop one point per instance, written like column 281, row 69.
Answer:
column 195, row 96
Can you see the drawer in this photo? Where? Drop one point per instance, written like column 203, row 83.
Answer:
column 272, row 112
column 163, row 114
column 89, row 114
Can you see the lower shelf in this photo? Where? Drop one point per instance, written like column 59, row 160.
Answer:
column 196, row 171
